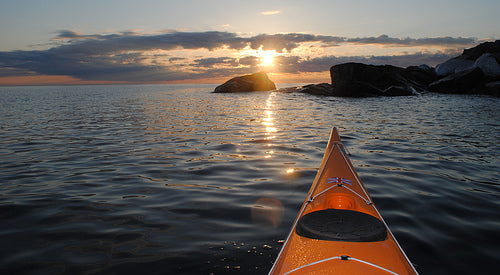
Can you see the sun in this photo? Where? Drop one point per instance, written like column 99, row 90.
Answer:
column 267, row 58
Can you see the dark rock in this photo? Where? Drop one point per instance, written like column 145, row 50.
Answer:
column 454, row 65
column 247, row 83
column 464, row 82
column 492, row 88
column 486, row 47
column 489, row 65
column 360, row 80
column 324, row 89
column 423, row 74
column 397, row 91
column 474, row 72
column 354, row 80
column 317, row 89
column 470, row 57
column 295, row 89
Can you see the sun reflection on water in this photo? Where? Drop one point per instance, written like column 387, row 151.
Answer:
column 268, row 211
column 268, row 122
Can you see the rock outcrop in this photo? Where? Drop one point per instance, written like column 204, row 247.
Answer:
column 247, row 83
column 463, row 82
column 485, row 56
column 476, row 71
column 324, row 89
column 360, row 80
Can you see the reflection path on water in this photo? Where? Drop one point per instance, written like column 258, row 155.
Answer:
column 268, row 122
column 268, row 211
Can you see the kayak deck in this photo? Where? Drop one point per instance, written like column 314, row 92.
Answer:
column 338, row 229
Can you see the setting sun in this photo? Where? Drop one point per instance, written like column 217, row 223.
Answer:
column 267, row 58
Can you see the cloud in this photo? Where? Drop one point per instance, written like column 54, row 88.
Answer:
column 270, row 12
column 174, row 59
column 289, row 41
column 212, row 61
column 100, row 44
column 212, row 40
column 132, row 56
column 386, row 40
column 296, row 64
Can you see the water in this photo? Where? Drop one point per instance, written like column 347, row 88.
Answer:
column 167, row 179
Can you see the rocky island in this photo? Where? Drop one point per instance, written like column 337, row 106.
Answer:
column 476, row 71
column 247, row 83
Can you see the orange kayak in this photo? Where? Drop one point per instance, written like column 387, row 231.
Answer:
column 338, row 229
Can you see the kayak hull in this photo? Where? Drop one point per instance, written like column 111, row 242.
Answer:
column 338, row 229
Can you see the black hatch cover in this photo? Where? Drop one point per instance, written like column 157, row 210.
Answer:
column 341, row 225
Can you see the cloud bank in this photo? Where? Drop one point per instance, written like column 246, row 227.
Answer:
column 175, row 55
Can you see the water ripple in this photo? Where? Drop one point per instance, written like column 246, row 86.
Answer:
column 128, row 179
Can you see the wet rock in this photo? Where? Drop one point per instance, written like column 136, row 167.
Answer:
column 247, row 83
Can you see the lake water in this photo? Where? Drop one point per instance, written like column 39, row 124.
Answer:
column 172, row 179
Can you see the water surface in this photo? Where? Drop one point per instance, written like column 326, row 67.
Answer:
column 165, row 179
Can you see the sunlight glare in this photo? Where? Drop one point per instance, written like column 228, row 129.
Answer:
column 271, row 130
column 267, row 58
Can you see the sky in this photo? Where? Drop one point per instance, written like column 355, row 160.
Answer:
column 188, row 41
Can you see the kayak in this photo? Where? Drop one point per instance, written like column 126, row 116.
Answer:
column 338, row 229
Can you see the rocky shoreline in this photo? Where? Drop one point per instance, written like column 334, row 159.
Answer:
column 476, row 71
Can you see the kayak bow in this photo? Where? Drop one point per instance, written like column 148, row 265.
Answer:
column 338, row 229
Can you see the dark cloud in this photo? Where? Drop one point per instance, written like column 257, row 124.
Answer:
column 213, row 40
column 69, row 34
column 212, row 61
column 296, row 64
column 289, row 41
column 174, row 59
column 386, row 40
column 249, row 61
column 121, row 56
column 321, row 64
column 10, row 71
column 125, row 67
